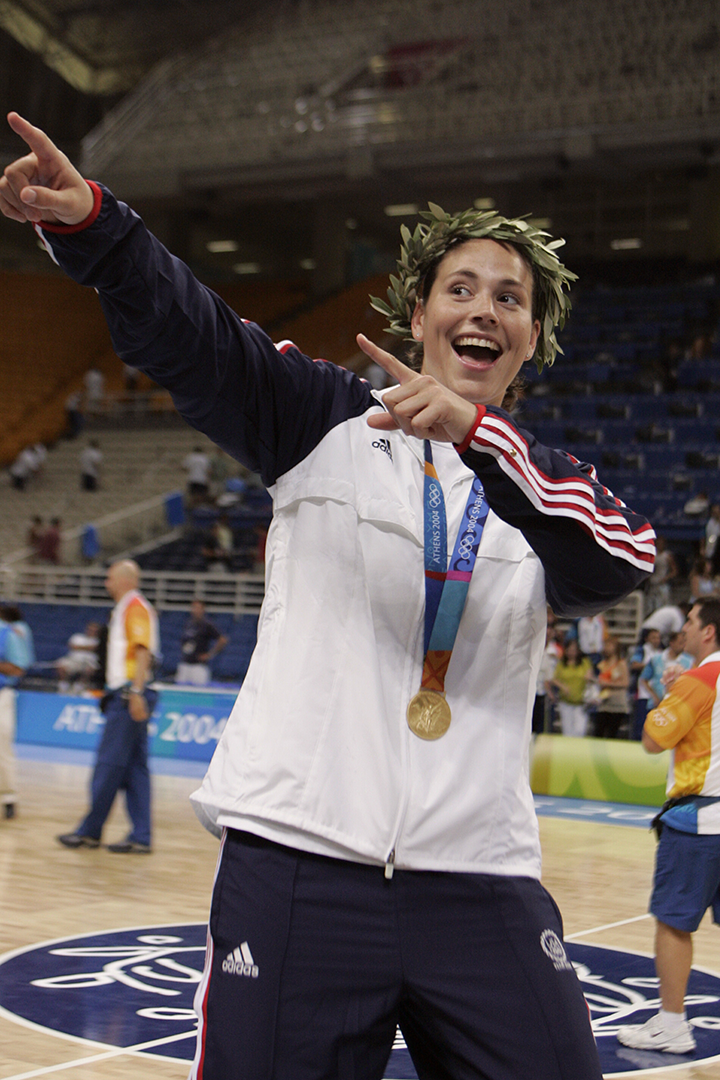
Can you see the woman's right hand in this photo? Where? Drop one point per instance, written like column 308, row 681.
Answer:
column 43, row 185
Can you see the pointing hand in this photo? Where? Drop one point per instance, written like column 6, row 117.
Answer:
column 43, row 185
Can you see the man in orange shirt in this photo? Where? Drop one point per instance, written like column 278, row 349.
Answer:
column 121, row 762
column 687, row 871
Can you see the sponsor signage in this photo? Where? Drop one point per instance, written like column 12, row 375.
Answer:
column 185, row 724
column 134, row 988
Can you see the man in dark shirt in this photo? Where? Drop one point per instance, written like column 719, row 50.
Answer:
column 200, row 643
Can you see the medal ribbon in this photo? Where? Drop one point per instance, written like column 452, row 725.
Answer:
column 446, row 589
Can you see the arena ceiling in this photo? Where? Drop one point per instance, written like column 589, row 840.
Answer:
column 97, row 72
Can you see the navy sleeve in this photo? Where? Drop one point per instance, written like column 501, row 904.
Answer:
column 267, row 407
column 593, row 548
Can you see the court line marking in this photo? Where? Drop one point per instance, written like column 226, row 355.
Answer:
column 598, row 929
column 117, row 1051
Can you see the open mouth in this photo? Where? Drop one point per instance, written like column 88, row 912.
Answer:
column 476, row 350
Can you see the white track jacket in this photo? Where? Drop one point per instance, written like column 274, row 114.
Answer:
column 317, row 753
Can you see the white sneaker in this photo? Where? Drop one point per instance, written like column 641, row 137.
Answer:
column 653, row 1036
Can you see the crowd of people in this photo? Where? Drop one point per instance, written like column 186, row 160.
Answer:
column 591, row 684
column 45, row 540
column 27, row 465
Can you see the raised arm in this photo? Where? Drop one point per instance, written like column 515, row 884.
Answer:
column 266, row 406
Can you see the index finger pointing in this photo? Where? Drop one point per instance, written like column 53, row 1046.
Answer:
column 35, row 138
column 394, row 367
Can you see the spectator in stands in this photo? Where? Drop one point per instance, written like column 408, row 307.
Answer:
column 94, row 381
column 668, row 619
column 567, row 687
column 697, row 505
column 613, row 680
column 73, row 415
column 218, row 550
column 711, row 545
column 49, row 550
column 591, row 633
column 663, row 668
column 702, row 580
column 659, row 586
column 78, row 668
column 650, row 645
column 200, row 643
column 34, row 536
column 16, row 655
column 197, row 466
column 22, row 468
column 90, row 463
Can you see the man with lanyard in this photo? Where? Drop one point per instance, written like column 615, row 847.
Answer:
column 15, row 658
column 200, row 643
column 121, row 762
column 687, row 871
column 663, row 668
column 380, row 858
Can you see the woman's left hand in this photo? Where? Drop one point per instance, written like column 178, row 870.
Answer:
column 419, row 405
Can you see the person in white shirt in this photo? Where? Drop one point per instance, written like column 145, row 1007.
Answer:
column 197, row 467
column 668, row 619
column 90, row 462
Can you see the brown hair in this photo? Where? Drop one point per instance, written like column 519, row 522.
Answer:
column 709, row 613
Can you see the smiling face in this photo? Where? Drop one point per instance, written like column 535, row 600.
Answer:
column 476, row 325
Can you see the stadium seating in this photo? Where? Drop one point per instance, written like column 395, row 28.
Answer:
column 53, row 625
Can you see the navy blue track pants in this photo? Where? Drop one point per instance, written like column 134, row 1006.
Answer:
column 312, row 962
column 121, row 763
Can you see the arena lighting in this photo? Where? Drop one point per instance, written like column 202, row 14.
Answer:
column 484, row 204
column 308, row 264
column 247, row 268
column 629, row 244
column 401, row 209
column 217, row 246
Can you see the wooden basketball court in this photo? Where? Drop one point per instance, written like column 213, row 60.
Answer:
column 600, row 874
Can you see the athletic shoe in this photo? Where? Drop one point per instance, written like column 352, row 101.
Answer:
column 652, row 1036
column 127, row 847
column 9, row 811
column 77, row 840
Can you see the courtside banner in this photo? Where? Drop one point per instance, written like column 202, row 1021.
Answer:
column 186, row 724
column 605, row 770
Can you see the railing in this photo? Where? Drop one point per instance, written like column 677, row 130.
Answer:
column 131, row 528
column 239, row 594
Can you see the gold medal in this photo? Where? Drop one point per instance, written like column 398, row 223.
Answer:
column 428, row 715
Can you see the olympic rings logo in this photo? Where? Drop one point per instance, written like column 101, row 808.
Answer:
column 434, row 496
column 465, row 548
